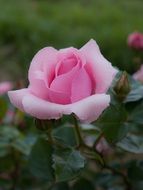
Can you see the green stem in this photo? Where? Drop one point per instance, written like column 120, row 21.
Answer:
column 119, row 173
column 97, row 140
column 92, row 149
column 81, row 143
column 15, row 172
column 78, row 133
column 49, row 132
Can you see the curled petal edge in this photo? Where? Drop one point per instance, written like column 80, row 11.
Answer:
column 86, row 110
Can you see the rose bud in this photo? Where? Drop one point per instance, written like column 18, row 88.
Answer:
column 122, row 87
column 135, row 41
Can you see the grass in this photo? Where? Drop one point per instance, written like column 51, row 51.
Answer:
column 26, row 26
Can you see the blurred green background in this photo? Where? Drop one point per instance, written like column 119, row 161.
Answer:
column 29, row 25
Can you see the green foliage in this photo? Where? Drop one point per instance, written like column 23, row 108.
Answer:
column 135, row 170
column 55, row 163
column 66, row 134
column 68, row 163
column 11, row 138
column 136, row 92
column 41, row 161
column 83, row 184
column 136, row 114
column 132, row 143
column 113, row 123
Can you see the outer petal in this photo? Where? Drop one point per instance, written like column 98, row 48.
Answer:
column 89, row 109
column 98, row 66
column 42, row 109
column 86, row 110
column 43, row 64
column 45, row 59
column 17, row 96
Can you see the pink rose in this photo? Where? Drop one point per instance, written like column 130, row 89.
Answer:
column 139, row 74
column 66, row 81
column 5, row 87
column 135, row 40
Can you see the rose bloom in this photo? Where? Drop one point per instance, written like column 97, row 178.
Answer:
column 139, row 74
column 135, row 40
column 5, row 87
column 66, row 81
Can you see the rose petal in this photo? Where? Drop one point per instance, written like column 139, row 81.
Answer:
column 58, row 97
column 81, row 86
column 98, row 66
column 87, row 110
column 61, row 85
column 71, row 52
column 65, row 66
column 42, row 109
column 45, row 61
column 17, row 96
column 38, row 88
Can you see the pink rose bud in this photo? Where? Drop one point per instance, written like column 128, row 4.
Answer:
column 139, row 74
column 5, row 87
column 135, row 41
column 66, row 81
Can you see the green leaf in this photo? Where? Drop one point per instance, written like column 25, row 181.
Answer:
column 136, row 115
column 55, row 162
column 113, row 123
column 40, row 160
column 135, row 170
column 61, row 186
column 132, row 143
column 83, row 184
column 7, row 136
column 136, row 92
column 9, row 132
column 10, row 137
column 67, row 134
column 68, row 163
column 106, row 180
column 24, row 144
column 90, row 129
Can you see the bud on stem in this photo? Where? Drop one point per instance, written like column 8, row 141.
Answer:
column 122, row 87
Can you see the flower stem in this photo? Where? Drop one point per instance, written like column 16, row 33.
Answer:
column 78, row 133
column 121, row 174
column 82, row 144
column 16, row 171
column 97, row 140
